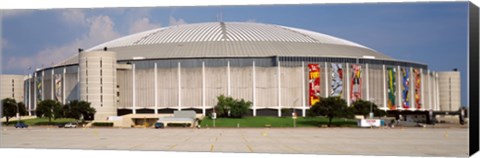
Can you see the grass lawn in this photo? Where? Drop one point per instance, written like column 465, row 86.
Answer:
column 41, row 121
column 262, row 121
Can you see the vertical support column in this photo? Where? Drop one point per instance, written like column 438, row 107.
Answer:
column 52, row 86
column 347, row 68
column 254, row 87
column 35, row 89
column 63, row 85
column 43, row 84
column 399, row 89
column 228, row 79
column 437, row 92
column 29, row 95
column 367, row 82
column 384, row 88
column 304, row 101
column 412, row 90
column 204, row 111
column 156, row 87
column 326, row 78
column 422, row 89
column 429, row 91
column 279, row 92
column 78, row 82
column 179, row 84
column 134, row 96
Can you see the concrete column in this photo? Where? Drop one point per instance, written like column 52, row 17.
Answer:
column 30, row 95
column 384, row 89
column 228, row 79
column 304, row 101
column 254, row 87
column 43, row 85
column 429, row 91
column 437, row 94
column 204, row 111
column 347, row 68
column 78, row 82
column 34, row 92
column 179, row 84
column 156, row 87
column 52, row 86
column 399, row 89
column 422, row 89
column 134, row 96
column 326, row 79
column 63, row 85
column 412, row 90
column 367, row 82
column 279, row 87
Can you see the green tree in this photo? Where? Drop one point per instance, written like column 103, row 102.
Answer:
column 78, row 110
column 331, row 107
column 229, row 107
column 22, row 109
column 223, row 105
column 362, row 107
column 9, row 108
column 239, row 108
column 50, row 109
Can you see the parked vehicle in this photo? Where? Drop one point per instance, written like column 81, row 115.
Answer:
column 21, row 125
column 159, row 125
column 61, row 125
column 71, row 125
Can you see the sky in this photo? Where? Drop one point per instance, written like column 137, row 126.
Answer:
column 435, row 34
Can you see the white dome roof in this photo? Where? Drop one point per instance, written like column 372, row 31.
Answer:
column 232, row 39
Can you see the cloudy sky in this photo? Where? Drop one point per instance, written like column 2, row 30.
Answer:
column 431, row 33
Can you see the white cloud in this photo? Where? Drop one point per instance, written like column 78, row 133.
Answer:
column 174, row 21
column 74, row 16
column 101, row 29
column 142, row 24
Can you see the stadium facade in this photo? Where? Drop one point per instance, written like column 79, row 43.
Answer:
column 186, row 67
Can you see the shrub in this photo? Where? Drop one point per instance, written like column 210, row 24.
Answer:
column 103, row 124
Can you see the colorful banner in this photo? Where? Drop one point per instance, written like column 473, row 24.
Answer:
column 405, row 88
column 418, row 83
column 314, row 83
column 356, row 84
column 337, row 80
column 39, row 88
column 58, row 87
column 391, row 88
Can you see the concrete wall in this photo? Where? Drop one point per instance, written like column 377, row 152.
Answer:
column 12, row 86
column 449, row 87
column 98, row 82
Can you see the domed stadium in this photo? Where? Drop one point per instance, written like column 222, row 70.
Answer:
column 277, row 68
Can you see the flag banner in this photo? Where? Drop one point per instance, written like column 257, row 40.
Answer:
column 337, row 80
column 356, row 84
column 314, row 83
column 405, row 88
column 418, row 83
column 391, row 88
column 58, row 87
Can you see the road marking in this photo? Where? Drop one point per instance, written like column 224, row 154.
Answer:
column 171, row 147
column 211, row 148
column 187, row 139
column 249, row 148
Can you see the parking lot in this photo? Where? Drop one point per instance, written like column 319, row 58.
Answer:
column 343, row 141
